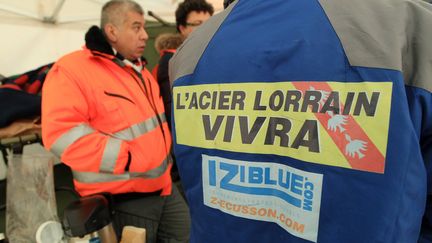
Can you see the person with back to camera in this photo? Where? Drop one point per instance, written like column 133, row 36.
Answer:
column 317, row 129
column 103, row 115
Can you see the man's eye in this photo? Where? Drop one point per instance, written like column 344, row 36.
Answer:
column 194, row 24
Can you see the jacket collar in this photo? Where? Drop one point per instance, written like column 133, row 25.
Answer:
column 96, row 41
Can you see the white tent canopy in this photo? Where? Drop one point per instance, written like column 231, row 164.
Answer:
column 37, row 32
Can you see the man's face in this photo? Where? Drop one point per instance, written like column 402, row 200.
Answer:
column 131, row 36
column 193, row 20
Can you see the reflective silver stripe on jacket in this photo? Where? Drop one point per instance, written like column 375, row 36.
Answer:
column 92, row 177
column 113, row 146
column 69, row 137
column 139, row 129
column 110, row 155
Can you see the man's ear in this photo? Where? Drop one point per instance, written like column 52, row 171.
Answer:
column 111, row 32
column 182, row 29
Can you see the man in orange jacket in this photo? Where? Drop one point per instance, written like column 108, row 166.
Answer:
column 103, row 115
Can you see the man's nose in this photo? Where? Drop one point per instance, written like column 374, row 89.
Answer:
column 144, row 35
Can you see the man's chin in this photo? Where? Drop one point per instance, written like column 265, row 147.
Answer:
column 140, row 54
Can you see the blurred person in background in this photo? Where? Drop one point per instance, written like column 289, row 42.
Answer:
column 190, row 14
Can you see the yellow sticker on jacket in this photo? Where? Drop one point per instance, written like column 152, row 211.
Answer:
column 331, row 123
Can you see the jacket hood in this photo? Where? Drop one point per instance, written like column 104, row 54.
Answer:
column 96, row 41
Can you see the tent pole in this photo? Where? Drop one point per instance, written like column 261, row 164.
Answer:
column 159, row 19
column 19, row 12
column 53, row 18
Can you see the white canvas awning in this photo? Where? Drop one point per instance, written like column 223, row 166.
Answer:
column 36, row 32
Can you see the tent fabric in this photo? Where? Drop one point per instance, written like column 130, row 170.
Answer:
column 35, row 33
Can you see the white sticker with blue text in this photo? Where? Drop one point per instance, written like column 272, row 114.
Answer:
column 262, row 191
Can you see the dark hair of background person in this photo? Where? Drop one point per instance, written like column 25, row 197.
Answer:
column 227, row 2
column 188, row 6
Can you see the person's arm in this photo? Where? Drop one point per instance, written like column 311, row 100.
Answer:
column 417, row 67
column 418, row 71
column 420, row 102
column 426, row 137
column 66, row 129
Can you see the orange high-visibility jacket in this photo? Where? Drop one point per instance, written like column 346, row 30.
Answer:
column 107, row 123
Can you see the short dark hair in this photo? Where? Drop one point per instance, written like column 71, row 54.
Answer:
column 188, row 6
column 227, row 3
